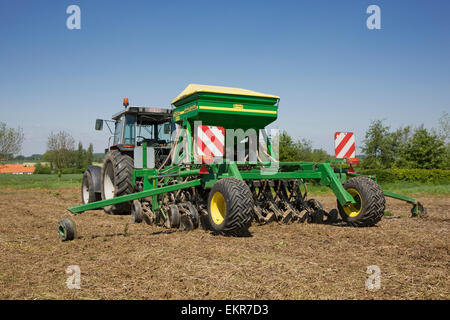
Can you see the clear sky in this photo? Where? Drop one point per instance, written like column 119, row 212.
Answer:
column 331, row 72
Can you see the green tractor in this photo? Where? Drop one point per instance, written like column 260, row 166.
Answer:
column 209, row 161
column 132, row 127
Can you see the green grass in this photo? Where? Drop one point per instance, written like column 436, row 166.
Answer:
column 417, row 187
column 405, row 188
column 45, row 181
column 50, row 181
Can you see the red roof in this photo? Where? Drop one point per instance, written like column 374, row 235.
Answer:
column 15, row 168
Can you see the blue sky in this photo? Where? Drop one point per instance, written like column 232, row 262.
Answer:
column 331, row 72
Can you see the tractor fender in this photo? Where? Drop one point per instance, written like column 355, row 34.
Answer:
column 96, row 174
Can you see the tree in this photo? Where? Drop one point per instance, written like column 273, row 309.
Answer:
column 89, row 155
column 381, row 147
column 10, row 141
column 80, row 156
column 288, row 149
column 444, row 132
column 376, row 145
column 60, row 147
column 300, row 150
column 46, row 157
column 444, row 127
column 320, row 155
column 20, row 158
column 425, row 150
column 395, row 143
column 35, row 157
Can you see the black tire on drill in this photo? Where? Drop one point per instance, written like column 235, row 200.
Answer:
column 372, row 198
column 120, row 168
column 66, row 229
column 236, row 213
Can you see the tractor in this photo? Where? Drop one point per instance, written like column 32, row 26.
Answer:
column 209, row 162
column 132, row 127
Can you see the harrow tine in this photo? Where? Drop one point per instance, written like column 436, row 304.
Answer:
column 275, row 211
column 290, row 213
column 263, row 213
column 148, row 215
column 288, row 217
column 270, row 216
column 304, row 217
column 270, row 200
column 258, row 214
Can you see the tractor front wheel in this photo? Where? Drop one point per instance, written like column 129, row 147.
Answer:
column 230, row 205
column 88, row 194
column 369, row 206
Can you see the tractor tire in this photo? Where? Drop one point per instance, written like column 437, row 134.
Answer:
column 370, row 205
column 230, row 208
column 88, row 194
column 117, row 180
column 66, row 229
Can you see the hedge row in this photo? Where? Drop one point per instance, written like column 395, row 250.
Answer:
column 410, row 175
column 48, row 170
column 72, row 170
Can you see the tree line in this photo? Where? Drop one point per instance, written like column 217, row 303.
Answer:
column 63, row 157
column 300, row 150
column 10, row 141
column 407, row 147
column 382, row 148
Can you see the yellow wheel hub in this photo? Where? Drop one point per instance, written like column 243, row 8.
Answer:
column 353, row 210
column 218, row 208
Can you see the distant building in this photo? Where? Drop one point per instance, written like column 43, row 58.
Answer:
column 16, row 169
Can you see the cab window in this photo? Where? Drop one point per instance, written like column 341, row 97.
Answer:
column 117, row 131
column 129, row 134
column 164, row 131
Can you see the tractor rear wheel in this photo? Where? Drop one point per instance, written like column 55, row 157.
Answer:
column 230, row 205
column 117, row 180
column 370, row 202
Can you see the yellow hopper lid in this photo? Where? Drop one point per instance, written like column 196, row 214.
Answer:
column 194, row 88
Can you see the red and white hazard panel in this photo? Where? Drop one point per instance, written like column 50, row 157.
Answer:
column 344, row 145
column 210, row 143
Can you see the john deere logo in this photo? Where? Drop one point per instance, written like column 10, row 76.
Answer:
column 238, row 106
column 177, row 114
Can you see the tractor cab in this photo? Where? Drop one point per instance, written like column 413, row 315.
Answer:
column 135, row 125
column 129, row 129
